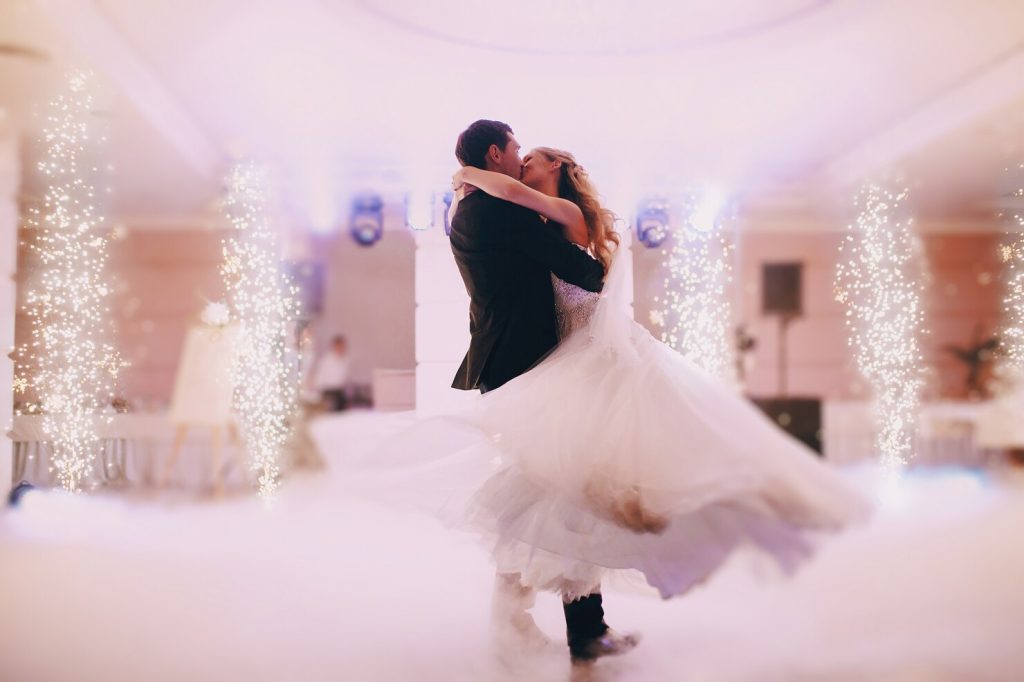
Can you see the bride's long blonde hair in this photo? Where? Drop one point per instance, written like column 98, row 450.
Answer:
column 574, row 184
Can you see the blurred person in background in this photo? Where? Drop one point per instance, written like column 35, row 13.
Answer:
column 330, row 375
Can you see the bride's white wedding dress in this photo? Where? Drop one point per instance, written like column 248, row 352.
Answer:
column 616, row 452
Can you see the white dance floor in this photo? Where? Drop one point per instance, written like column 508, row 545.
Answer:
column 322, row 585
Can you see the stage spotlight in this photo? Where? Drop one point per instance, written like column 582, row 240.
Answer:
column 366, row 221
column 19, row 491
column 419, row 210
column 652, row 222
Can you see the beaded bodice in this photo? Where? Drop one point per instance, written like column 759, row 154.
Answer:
column 573, row 306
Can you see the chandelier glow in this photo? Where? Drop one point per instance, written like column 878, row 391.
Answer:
column 880, row 280
column 69, row 366
column 695, row 311
column 262, row 302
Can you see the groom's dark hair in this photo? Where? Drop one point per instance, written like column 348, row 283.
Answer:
column 472, row 145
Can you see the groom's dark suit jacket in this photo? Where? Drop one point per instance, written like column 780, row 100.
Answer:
column 506, row 255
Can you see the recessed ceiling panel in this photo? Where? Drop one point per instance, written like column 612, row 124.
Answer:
column 590, row 26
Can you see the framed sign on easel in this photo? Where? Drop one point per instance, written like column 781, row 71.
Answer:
column 204, row 392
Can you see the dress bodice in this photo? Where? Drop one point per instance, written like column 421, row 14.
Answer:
column 573, row 306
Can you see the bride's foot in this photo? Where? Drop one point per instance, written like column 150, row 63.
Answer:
column 518, row 635
column 522, row 630
column 512, row 625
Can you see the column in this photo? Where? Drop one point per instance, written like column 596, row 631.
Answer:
column 9, row 182
column 442, row 322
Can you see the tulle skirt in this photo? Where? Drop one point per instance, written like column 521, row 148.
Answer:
column 616, row 452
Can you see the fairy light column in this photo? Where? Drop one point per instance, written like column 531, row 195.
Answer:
column 879, row 279
column 67, row 363
column 695, row 310
column 263, row 302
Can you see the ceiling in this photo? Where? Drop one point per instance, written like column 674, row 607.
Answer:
column 785, row 103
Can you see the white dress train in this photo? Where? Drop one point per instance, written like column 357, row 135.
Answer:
column 616, row 452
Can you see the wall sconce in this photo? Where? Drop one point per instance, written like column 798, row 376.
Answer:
column 366, row 221
column 652, row 222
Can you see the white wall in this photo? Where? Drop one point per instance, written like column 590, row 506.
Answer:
column 369, row 297
column 442, row 324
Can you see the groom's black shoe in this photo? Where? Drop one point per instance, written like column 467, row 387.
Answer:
column 611, row 643
column 589, row 636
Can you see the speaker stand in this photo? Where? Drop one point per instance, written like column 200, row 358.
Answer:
column 784, row 321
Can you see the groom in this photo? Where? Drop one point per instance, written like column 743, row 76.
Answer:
column 506, row 255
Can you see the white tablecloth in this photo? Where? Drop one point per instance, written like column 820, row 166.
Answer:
column 133, row 448
column 946, row 433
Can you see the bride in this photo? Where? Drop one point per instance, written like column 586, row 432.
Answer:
column 616, row 452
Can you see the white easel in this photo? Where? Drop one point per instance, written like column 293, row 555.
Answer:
column 203, row 392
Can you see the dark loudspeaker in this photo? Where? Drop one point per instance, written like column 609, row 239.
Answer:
column 799, row 417
column 782, row 289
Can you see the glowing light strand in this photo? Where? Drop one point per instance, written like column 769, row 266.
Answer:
column 1012, row 254
column 880, row 280
column 695, row 310
column 263, row 302
column 67, row 364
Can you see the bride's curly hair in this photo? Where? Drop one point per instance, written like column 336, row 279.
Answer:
column 574, row 184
